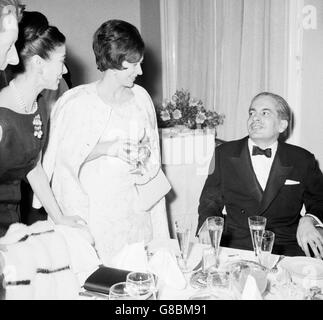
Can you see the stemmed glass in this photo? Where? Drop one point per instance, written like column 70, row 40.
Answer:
column 209, row 238
column 215, row 228
column 143, row 154
column 183, row 232
column 141, row 285
column 257, row 226
column 267, row 244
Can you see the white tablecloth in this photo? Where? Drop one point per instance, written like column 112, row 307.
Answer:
column 227, row 255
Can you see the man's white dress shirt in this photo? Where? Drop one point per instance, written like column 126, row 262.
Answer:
column 262, row 166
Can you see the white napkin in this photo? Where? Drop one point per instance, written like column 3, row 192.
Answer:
column 132, row 257
column 250, row 290
column 164, row 265
column 83, row 256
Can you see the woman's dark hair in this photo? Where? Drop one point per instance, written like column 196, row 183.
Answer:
column 116, row 41
column 36, row 37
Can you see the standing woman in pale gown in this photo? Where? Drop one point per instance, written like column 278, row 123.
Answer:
column 104, row 140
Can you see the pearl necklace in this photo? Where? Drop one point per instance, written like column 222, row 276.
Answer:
column 21, row 101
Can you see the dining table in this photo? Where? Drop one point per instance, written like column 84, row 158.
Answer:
column 305, row 282
column 305, row 275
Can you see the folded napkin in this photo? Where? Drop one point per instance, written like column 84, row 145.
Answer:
column 164, row 264
column 83, row 256
column 250, row 290
column 132, row 257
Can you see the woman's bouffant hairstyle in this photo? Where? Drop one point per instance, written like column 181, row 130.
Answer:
column 116, row 41
column 36, row 37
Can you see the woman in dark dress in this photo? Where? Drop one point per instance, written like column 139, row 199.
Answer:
column 23, row 125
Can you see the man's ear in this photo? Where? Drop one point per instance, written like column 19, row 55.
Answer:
column 8, row 20
column 283, row 126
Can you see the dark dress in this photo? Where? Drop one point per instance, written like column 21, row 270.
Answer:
column 19, row 153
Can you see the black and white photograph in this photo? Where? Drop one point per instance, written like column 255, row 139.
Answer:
column 161, row 152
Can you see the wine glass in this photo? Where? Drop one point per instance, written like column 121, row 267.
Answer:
column 183, row 232
column 215, row 228
column 267, row 243
column 199, row 278
column 142, row 285
column 257, row 226
column 143, row 153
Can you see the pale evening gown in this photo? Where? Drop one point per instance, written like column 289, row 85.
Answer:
column 114, row 217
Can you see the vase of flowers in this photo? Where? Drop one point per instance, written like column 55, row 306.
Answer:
column 185, row 112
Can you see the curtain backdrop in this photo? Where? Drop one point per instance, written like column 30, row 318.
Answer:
column 225, row 52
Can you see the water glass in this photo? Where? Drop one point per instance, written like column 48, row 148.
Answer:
column 141, row 285
column 215, row 228
column 268, row 239
column 119, row 291
column 183, row 232
column 257, row 226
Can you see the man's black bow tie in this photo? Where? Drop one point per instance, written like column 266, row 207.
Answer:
column 258, row 151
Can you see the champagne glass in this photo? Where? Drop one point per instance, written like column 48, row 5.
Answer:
column 199, row 278
column 183, row 232
column 215, row 228
column 267, row 243
column 141, row 285
column 143, row 153
column 257, row 226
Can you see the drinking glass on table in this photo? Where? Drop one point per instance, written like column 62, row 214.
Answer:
column 199, row 277
column 257, row 226
column 268, row 239
column 141, row 285
column 119, row 291
column 215, row 228
column 183, row 232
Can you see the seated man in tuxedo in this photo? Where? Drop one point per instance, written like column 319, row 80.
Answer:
column 260, row 175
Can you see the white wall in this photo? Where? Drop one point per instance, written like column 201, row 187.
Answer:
column 312, row 92
column 78, row 20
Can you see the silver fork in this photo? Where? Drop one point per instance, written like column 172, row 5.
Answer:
column 275, row 268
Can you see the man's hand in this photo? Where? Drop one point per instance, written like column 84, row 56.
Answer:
column 308, row 235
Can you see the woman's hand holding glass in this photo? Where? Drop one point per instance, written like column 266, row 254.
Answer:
column 135, row 154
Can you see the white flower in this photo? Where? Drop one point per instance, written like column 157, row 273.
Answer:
column 194, row 102
column 165, row 103
column 200, row 118
column 165, row 116
column 177, row 114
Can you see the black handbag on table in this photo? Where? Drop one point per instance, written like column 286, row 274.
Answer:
column 102, row 279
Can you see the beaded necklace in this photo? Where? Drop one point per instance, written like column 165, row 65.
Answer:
column 37, row 123
column 19, row 98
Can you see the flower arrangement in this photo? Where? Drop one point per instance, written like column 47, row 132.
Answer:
column 187, row 111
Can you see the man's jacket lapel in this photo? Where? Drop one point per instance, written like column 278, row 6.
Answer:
column 242, row 163
column 277, row 177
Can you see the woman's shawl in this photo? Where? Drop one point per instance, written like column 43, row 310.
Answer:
column 77, row 122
